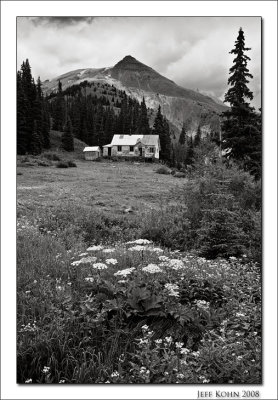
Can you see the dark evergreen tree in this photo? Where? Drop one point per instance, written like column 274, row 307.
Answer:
column 161, row 128
column 197, row 138
column 143, row 127
column 240, row 127
column 22, row 110
column 182, row 136
column 58, row 109
column 189, row 158
column 67, row 137
column 35, row 143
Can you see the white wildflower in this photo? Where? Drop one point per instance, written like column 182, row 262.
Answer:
column 124, row 272
column 152, row 268
column 100, row 266
column 115, row 374
column 112, row 261
column 145, row 327
column 140, row 241
column 95, row 248
column 76, row 262
column 89, row 279
column 179, row 345
column 88, row 260
column 62, row 381
column 206, row 381
column 28, row 380
column 156, row 249
column 168, row 339
column 46, row 370
column 176, row 264
column 185, row 350
column 158, row 341
column 240, row 314
column 83, row 254
column 202, row 304
column 28, row 291
column 180, row 376
column 163, row 258
column 195, row 354
column 108, row 250
column 172, row 289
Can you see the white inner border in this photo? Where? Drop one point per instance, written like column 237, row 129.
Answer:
column 11, row 9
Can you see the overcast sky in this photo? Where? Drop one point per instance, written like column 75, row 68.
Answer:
column 192, row 51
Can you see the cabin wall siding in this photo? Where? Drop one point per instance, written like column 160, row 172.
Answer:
column 91, row 155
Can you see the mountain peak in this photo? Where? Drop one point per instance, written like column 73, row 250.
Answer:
column 129, row 59
column 129, row 62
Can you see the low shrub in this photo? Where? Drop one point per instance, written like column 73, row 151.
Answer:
column 72, row 164
column 52, row 156
column 163, row 170
column 42, row 163
column 179, row 174
column 62, row 164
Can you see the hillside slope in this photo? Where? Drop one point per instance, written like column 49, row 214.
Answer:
column 179, row 105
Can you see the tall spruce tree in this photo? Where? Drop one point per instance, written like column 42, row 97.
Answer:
column 67, row 137
column 22, row 109
column 197, row 138
column 182, row 135
column 240, row 127
column 143, row 127
column 58, row 110
column 161, row 128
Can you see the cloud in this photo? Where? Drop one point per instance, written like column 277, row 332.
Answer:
column 192, row 51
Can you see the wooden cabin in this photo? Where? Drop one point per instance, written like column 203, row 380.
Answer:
column 91, row 153
column 146, row 146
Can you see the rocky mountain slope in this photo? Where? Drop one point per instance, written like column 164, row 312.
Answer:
column 179, row 105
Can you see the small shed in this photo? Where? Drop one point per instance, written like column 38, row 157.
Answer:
column 91, row 153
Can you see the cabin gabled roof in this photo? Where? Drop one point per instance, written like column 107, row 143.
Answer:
column 125, row 140
column 132, row 140
column 92, row 148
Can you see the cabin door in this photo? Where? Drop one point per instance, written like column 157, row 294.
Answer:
column 109, row 151
column 141, row 151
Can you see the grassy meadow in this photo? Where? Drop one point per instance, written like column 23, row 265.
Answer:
column 112, row 287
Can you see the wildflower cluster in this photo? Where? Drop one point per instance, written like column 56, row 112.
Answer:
column 152, row 269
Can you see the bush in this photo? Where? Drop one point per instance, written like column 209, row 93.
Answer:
column 179, row 174
column 52, row 156
column 163, row 170
column 62, row 164
column 42, row 163
column 72, row 164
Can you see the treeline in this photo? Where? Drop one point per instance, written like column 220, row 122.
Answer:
column 33, row 118
column 95, row 118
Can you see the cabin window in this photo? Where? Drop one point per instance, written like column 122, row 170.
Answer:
column 119, row 148
column 121, row 136
column 131, row 148
column 152, row 149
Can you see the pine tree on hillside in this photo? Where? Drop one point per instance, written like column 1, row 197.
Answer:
column 241, row 131
column 67, row 137
column 30, row 96
column 45, row 125
column 143, row 127
column 22, row 109
column 182, row 136
column 35, row 144
column 197, row 138
column 58, row 110
column 189, row 158
column 161, row 128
